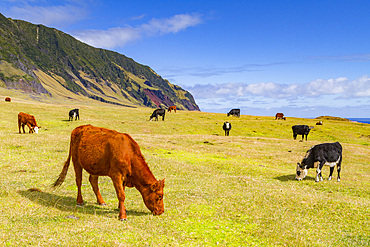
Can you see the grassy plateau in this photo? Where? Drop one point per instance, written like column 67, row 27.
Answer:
column 238, row 190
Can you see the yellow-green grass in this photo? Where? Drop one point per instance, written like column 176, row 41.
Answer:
column 227, row 191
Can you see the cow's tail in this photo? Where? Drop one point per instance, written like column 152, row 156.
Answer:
column 63, row 174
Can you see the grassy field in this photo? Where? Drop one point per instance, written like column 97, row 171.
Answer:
column 220, row 191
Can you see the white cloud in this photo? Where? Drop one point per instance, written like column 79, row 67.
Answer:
column 340, row 87
column 171, row 25
column 48, row 15
column 119, row 37
column 339, row 97
column 114, row 37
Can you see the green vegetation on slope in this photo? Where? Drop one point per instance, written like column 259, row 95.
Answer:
column 85, row 70
column 227, row 191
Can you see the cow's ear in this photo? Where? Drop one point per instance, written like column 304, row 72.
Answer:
column 161, row 182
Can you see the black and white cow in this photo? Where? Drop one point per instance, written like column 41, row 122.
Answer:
column 156, row 113
column 74, row 114
column 234, row 112
column 226, row 127
column 303, row 130
column 327, row 154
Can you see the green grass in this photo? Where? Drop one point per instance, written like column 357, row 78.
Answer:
column 220, row 191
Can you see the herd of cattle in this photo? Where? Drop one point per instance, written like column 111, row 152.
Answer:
column 316, row 157
column 105, row 152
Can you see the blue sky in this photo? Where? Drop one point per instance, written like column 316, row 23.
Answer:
column 303, row 58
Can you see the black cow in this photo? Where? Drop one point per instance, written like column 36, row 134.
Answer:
column 327, row 154
column 234, row 112
column 226, row 127
column 74, row 114
column 158, row 112
column 303, row 130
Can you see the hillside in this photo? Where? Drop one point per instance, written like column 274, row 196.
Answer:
column 47, row 63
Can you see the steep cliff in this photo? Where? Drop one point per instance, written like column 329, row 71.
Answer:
column 49, row 63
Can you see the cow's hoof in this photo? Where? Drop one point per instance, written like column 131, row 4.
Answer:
column 123, row 219
column 103, row 204
column 338, row 180
column 80, row 204
column 329, row 178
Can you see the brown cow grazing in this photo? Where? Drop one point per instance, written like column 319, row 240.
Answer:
column 7, row 99
column 319, row 123
column 172, row 108
column 29, row 120
column 279, row 116
column 105, row 152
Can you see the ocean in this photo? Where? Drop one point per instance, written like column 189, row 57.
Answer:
column 360, row 120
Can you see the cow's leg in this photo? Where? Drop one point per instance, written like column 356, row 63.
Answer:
column 30, row 128
column 318, row 171
column 294, row 136
column 163, row 117
column 338, row 169
column 331, row 173
column 94, row 184
column 23, row 128
column 118, row 185
column 78, row 173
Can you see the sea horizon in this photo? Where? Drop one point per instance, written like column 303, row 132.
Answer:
column 360, row 120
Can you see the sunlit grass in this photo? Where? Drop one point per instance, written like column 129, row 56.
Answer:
column 227, row 191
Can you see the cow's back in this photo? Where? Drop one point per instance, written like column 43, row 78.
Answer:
column 301, row 129
column 99, row 150
column 26, row 118
column 330, row 151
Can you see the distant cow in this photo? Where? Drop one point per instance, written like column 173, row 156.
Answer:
column 319, row 123
column 327, row 154
column 29, row 120
column 172, row 108
column 303, row 130
column 7, row 99
column 280, row 116
column 156, row 113
column 234, row 112
column 226, row 127
column 75, row 113
column 104, row 152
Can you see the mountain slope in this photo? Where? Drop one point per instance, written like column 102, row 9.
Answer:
column 47, row 62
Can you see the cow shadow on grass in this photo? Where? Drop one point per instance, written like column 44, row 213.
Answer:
column 291, row 177
column 68, row 204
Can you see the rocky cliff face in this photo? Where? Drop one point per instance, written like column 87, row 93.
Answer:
column 44, row 61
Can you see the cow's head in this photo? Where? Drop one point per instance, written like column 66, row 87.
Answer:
column 36, row 129
column 153, row 198
column 301, row 171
